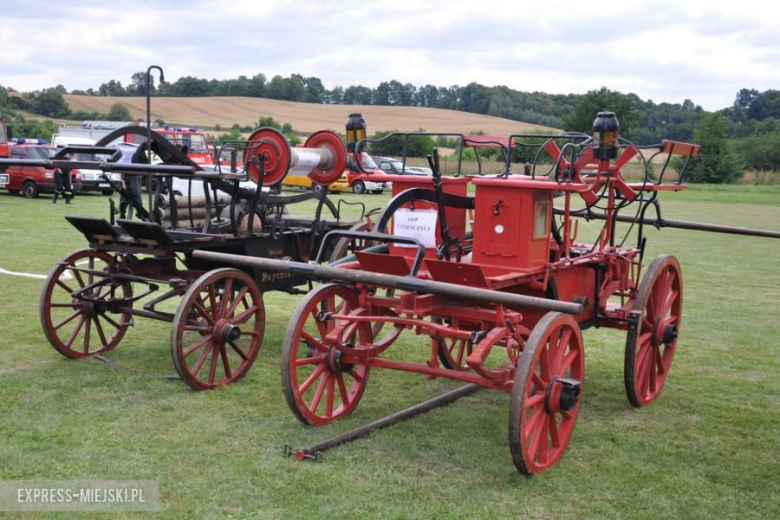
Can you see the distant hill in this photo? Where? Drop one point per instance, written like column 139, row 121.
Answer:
column 304, row 117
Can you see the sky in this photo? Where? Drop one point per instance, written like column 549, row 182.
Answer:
column 666, row 51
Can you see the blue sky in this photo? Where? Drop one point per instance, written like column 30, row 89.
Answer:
column 661, row 50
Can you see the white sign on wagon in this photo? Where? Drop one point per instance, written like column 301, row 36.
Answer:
column 419, row 224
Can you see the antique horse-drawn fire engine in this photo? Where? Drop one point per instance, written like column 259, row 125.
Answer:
column 91, row 297
column 503, row 303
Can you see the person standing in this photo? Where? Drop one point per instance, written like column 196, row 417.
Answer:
column 62, row 185
column 131, row 198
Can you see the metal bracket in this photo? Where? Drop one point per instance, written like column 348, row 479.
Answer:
column 633, row 320
column 477, row 336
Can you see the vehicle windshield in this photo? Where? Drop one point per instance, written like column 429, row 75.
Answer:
column 368, row 162
column 195, row 143
column 39, row 152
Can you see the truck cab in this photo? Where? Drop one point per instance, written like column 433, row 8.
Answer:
column 191, row 141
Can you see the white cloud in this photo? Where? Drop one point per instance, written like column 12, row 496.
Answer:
column 660, row 49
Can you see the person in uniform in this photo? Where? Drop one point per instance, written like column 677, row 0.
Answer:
column 62, row 185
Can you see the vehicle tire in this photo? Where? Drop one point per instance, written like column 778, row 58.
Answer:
column 358, row 187
column 30, row 190
column 107, row 192
column 378, row 192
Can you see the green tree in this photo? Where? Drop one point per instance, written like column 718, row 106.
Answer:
column 112, row 88
column 717, row 163
column 233, row 135
column 595, row 101
column 49, row 102
column 315, row 90
column 34, row 129
column 119, row 112
column 760, row 152
column 335, row 96
column 393, row 146
column 382, row 94
column 268, row 121
column 137, row 86
column 257, row 86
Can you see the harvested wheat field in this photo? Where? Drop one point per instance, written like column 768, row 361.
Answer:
column 304, row 117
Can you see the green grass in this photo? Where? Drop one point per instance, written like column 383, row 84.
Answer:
column 708, row 447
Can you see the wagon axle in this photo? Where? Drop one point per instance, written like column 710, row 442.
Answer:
column 562, row 393
column 226, row 332
column 664, row 332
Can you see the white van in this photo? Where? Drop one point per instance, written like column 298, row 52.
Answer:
column 91, row 180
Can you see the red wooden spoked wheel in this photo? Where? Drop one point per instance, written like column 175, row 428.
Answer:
column 546, row 394
column 453, row 352
column 218, row 329
column 78, row 302
column 318, row 384
column 650, row 348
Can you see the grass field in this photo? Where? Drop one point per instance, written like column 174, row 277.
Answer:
column 707, row 448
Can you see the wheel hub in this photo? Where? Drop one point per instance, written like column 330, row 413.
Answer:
column 562, row 394
column 664, row 332
column 335, row 363
column 225, row 332
column 90, row 308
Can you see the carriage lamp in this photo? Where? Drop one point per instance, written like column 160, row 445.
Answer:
column 606, row 129
column 356, row 130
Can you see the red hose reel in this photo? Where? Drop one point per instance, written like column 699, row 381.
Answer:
column 323, row 156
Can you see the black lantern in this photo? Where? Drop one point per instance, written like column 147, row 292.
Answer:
column 356, row 130
column 606, row 129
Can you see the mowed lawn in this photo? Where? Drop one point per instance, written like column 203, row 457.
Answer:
column 708, row 447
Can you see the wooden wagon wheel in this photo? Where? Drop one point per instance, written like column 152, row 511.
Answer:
column 318, row 385
column 546, row 394
column 452, row 352
column 651, row 345
column 218, row 329
column 76, row 308
column 347, row 246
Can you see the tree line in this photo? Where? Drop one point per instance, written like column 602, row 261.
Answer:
column 749, row 129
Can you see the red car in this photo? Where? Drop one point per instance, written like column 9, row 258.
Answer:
column 373, row 180
column 32, row 180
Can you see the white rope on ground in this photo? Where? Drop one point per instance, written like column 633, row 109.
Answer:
column 65, row 276
column 26, row 275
